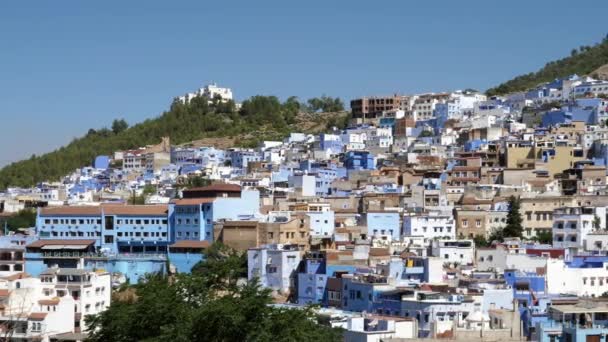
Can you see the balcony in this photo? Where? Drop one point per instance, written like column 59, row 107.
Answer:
column 105, row 256
column 414, row 270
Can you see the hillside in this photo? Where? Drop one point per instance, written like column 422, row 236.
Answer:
column 582, row 61
column 260, row 118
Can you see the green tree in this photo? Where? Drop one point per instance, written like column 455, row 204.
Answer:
column 222, row 265
column 119, row 125
column 25, row 218
column 596, row 222
column 193, row 307
column 480, row 241
column 544, row 236
column 426, row 133
column 149, row 189
column 514, row 226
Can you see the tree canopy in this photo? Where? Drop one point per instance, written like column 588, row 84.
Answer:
column 119, row 126
column 207, row 305
column 25, row 218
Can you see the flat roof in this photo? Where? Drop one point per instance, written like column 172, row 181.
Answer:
column 581, row 307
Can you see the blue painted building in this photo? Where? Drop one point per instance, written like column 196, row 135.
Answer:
column 360, row 292
column 359, row 160
column 83, row 254
column 192, row 217
column 185, row 254
column 114, row 228
column 312, row 280
column 101, row 162
column 240, row 159
column 527, row 286
column 384, row 224
column 585, row 321
column 331, row 142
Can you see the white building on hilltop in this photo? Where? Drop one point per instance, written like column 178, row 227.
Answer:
column 211, row 91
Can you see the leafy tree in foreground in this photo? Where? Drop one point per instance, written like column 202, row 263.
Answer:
column 206, row 305
column 25, row 218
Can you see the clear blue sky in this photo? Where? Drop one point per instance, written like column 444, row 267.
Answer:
column 67, row 66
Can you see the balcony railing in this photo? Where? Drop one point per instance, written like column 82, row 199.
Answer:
column 116, row 256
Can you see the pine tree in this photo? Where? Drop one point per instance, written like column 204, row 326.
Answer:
column 514, row 227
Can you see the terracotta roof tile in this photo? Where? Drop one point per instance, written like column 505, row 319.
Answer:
column 52, row 301
column 144, row 210
column 37, row 316
column 108, row 209
column 4, row 292
column 16, row 276
column 218, row 187
column 51, row 242
column 379, row 252
column 193, row 201
column 71, row 210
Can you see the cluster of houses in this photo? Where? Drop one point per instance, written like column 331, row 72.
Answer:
column 382, row 225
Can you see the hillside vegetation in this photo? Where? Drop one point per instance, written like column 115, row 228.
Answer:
column 260, row 118
column 582, row 61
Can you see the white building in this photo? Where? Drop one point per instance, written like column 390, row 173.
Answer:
column 379, row 328
column 210, row 91
column 354, row 141
column 429, row 225
column 134, row 161
column 274, row 266
column 91, row 291
column 582, row 280
column 33, row 315
column 454, row 251
column 571, row 225
column 303, row 184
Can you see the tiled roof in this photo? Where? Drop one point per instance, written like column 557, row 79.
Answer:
column 16, row 276
column 192, row 201
column 218, row 187
column 240, row 223
column 4, row 292
column 37, row 316
column 379, row 252
column 52, row 301
column 71, row 211
column 51, row 242
column 144, row 210
column 108, row 209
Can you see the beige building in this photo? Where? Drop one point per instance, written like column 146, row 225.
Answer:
column 537, row 212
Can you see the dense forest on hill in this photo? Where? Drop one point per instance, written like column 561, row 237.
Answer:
column 582, row 61
column 260, row 117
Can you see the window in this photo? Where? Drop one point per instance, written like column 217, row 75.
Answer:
column 465, row 223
